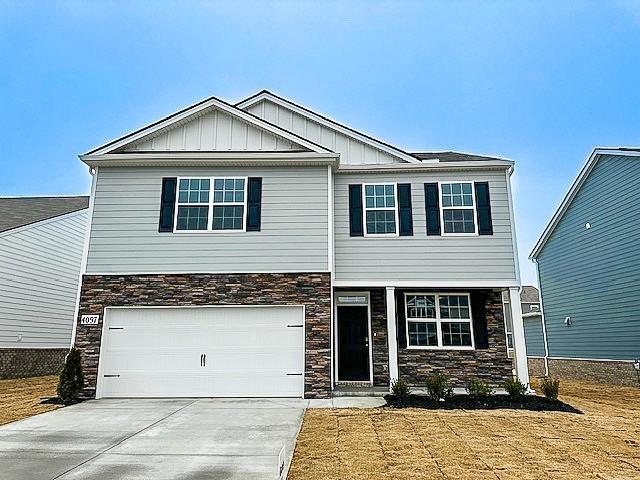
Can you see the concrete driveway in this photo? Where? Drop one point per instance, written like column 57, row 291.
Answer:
column 185, row 439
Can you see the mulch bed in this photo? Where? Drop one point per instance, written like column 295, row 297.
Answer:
column 527, row 402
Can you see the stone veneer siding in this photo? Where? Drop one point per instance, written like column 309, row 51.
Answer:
column 380, row 348
column 309, row 289
column 491, row 365
column 31, row 362
column 612, row 373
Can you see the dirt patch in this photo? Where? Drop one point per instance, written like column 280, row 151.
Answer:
column 493, row 402
column 20, row 397
column 411, row 443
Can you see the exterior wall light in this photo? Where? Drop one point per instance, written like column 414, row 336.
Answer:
column 568, row 321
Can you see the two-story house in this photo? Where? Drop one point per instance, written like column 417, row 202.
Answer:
column 262, row 249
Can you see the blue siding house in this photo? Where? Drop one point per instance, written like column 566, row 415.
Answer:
column 588, row 262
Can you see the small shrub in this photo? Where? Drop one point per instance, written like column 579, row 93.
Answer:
column 400, row 389
column 515, row 388
column 71, row 379
column 438, row 387
column 478, row 389
column 550, row 387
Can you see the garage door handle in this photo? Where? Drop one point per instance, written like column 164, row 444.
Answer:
column 204, row 359
column 201, row 355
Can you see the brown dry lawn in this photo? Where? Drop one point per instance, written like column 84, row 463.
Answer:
column 20, row 398
column 604, row 443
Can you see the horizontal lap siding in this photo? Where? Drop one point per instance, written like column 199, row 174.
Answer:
column 39, row 271
column 125, row 238
column 422, row 257
column 533, row 336
column 593, row 275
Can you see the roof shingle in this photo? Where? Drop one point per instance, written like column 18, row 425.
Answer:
column 20, row 211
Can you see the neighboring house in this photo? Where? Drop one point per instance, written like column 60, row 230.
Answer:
column 261, row 249
column 41, row 247
column 532, row 317
column 588, row 262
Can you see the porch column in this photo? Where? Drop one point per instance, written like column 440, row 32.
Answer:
column 392, row 340
column 519, row 347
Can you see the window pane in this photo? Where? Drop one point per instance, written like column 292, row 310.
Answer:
column 454, row 306
column 459, row 221
column 457, row 195
column 456, row 334
column 193, row 190
column 423, row 334
column 192, row 218
column 381, row 221
column 228, row 190
column 421, row 306
column 228, row 218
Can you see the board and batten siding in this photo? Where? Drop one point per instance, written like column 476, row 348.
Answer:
column 593, row 275
column 39, row 273
column 420, row 257
column 213, row 130
column 352, row 151
column 533, row 336
column 125, row 239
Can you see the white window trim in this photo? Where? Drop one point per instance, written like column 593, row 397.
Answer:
column 473, row 207
column 365, row 209
column 438, row 321
column 211, row 204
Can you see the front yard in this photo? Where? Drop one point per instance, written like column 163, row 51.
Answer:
column 20, row 398
column 604, row 443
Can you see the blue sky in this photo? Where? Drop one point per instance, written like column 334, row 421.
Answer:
column 538, row 82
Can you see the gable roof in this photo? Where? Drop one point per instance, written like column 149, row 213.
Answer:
column 451, row 156
column 196, row 108
column 575, row 188
column 327, row 122
column 529, row 294
column 20, row 211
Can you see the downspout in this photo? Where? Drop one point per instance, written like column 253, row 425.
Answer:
column 544, row 323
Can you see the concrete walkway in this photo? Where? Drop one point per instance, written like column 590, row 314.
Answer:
column 185, row 439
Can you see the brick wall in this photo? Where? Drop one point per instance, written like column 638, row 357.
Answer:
column 31, row 362
column 309, row 289
column 612, row 373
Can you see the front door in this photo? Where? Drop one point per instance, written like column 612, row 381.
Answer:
column 353, row 343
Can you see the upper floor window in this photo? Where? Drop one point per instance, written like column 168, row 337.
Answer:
column 381, row 211
column 458, row 208
column 198, row 210
column 436, row 320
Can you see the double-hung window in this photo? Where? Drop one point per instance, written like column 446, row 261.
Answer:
column 381, row 209
column 201, row 209
column 439, row 320
column 458, row 208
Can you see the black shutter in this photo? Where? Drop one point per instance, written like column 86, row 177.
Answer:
column 432, row 206
column 254, row 204
column 167, row 204
column 355, row 211
column 483, row 205
column 401, row 325
column 404, row 209
column 479, row 314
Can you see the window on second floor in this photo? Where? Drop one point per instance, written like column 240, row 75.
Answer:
column 381, row 209
column 458, row 208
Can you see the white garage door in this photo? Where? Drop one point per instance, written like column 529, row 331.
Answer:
column 202, row 352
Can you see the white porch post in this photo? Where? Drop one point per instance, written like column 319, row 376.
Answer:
column 520, row 350
column 391, row 335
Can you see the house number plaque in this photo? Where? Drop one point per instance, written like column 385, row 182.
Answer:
column 89, row 319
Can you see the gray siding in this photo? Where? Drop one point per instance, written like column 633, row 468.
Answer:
column 533, row 336
column 593, row 275
column 125, row 238
column 419, row 257
column 39, row 272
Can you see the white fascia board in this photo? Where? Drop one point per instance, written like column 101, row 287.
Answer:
column 211, row 159
column 199, row 107
column 461, row 284
column 322, row 120
column 410, row 167
column 573, row 190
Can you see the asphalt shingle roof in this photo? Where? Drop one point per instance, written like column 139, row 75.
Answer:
column 453, row 156
column 529, row 294
column 20, row 211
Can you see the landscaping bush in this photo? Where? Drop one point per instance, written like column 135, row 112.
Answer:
column 71, row 379
column 479, row 389
column 438, row 387
column 515, row 388
column 550, row 387
column 400, row 389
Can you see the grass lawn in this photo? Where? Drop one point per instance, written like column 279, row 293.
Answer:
column 382, row 443
column 20, row 397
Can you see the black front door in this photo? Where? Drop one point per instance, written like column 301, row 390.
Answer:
column 353, row 343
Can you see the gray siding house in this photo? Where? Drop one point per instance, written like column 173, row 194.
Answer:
column 262, row 249
column 588, row 264
column 41, row 248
